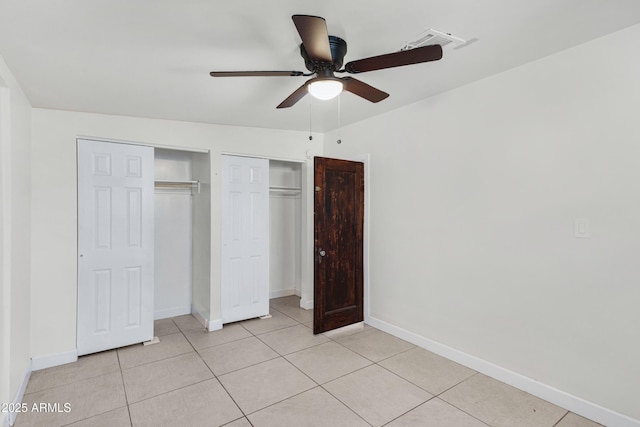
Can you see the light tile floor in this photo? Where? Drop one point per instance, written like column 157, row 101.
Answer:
column 275, row 372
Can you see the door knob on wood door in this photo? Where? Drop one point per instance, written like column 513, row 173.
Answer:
column 321, row 253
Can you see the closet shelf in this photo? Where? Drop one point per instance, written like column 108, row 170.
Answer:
column 177, row 185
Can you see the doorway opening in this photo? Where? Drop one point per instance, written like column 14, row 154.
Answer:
column 182, row 234
column 285, row 228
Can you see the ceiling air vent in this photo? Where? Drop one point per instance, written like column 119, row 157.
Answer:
column 431, row 37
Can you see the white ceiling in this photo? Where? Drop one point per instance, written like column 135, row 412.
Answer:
column 151, row 58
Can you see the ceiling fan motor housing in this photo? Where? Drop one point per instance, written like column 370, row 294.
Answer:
column 338, row 50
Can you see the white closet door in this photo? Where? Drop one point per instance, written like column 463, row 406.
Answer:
column 245, row 238
column 115, row 245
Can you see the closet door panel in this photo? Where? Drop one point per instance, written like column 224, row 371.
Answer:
column 245, row 238
column 115, row 245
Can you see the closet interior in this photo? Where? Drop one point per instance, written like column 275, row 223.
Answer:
column 182, row 234
column 183, row 230
column 285, row 230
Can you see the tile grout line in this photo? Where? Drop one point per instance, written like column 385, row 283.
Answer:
column 159, row 360
column 393, row 373
column 407, row 380
column 377, row 363
column 412, row 409
column 561, row 418
column 456, row 385
column 438, row 396
column 124, row 388
column 179, row 388
column 279, row 355
column 224, row 388
column 433, row 395
column 239, row 369
column 248, row 366
column 254, row 335
column 244, row 415
column 343, row 403
column 454, row 406
column 169, row 391
column 87, row 379
column 317, row 385
column 75, row 380
column 305, row 391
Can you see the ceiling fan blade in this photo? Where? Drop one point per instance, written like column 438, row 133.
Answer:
column 255, row 73
column 314, row 35
column 363, row 90
column 396, row 59
column 296, row 96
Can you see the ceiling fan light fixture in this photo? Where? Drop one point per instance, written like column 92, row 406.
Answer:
column 325, row 89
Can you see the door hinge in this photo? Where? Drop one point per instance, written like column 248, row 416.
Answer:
column 317, row 188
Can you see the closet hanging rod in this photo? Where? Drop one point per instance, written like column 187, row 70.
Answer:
column 177, row 184
column 278, row 188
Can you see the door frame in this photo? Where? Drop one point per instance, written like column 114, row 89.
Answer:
column 366, row 159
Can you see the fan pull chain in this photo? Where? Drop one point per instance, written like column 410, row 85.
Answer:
column 339, row 141
column 310, row 136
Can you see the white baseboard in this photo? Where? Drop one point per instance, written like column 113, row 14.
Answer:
column 200, row 317
column 306, row 304
column 574, row 404
column 42, row 362
column 10, row 416
column 171, row 312
column 214, row 325
column 281, row 293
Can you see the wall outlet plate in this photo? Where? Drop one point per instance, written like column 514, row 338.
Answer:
column 581, row 228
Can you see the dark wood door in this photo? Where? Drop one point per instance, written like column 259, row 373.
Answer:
column 339, row 220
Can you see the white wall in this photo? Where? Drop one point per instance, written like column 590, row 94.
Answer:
column 474, row 194
column 54, row 248
column 15, row 238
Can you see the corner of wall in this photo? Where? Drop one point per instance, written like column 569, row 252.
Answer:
column 10, row 417
column 15, row 243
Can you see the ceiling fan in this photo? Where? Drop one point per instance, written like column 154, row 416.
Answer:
column 323, row 55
